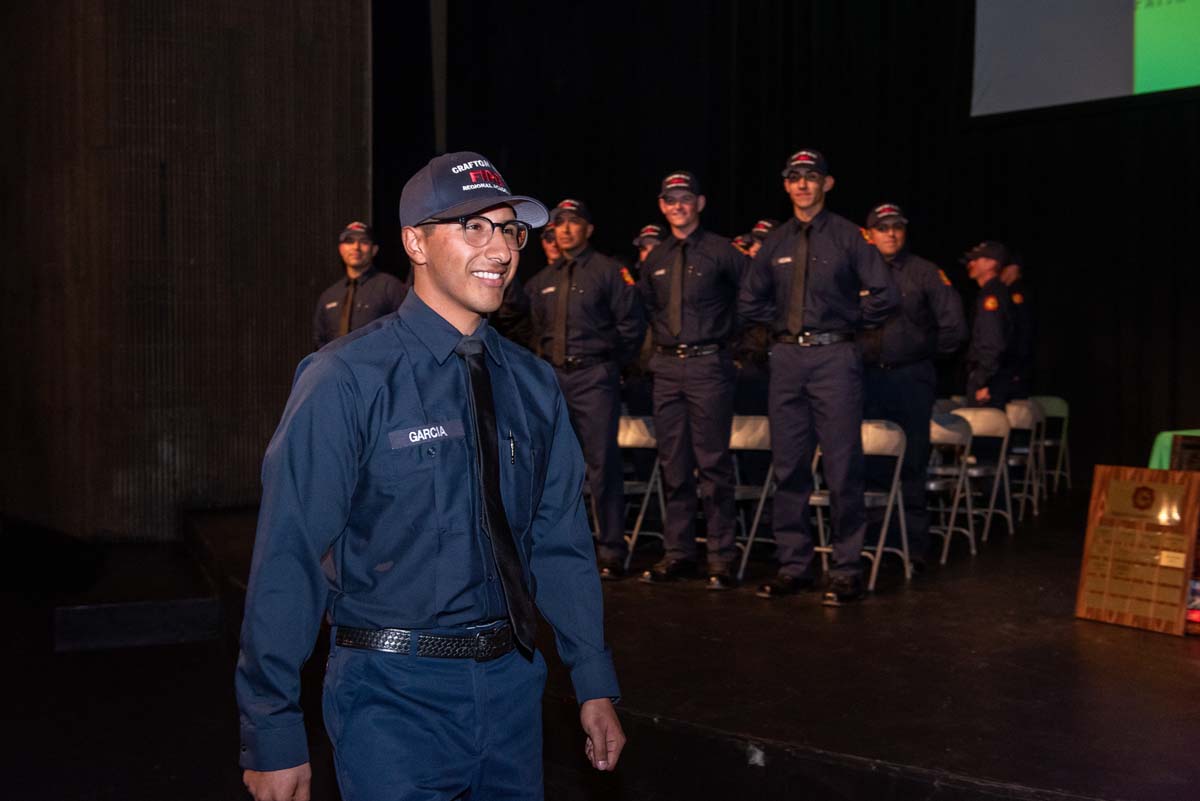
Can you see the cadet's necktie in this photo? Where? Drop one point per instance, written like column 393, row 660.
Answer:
column 487, row 445
column 562, row 297
column 347, row 308
column 795, row 315
column 675, row 303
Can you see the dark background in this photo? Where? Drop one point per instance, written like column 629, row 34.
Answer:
column 174, row 176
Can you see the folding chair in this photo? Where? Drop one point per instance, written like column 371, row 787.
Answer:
column 751, row 433
column 879, row 438
column 949, row 432
column 987, row 423
column 1025, row 418
column 946, row 405
column 638, row 432
column 1056, row 408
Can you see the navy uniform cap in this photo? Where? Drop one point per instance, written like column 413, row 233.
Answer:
column 357, row 230
column 571, row 206
column 885, row 211
column 651, row 231
column 681, row 181
column 988, row 249
column 806, row 160
column 458, row 184
column 762, row 228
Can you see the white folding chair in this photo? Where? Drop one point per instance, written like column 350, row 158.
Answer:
column 1055, row 408
column 988, row 423
column 635, row 433
column 1026, row 417
column 879, row 438
column 949, row 432
column 751, row 433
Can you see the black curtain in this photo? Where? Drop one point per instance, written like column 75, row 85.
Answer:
column 600, row 100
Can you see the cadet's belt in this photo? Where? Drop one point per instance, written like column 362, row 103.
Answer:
column 482, row 645
column 580, row 362
column 811, row 339
column 688, row 351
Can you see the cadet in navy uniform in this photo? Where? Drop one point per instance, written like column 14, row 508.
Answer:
column 900, row 381
column 758, row 234
column 989, row 358
column 365, row 294
column 805, row 283
column 589, row 323
column 690, row 285
column 1013, row 276
column 648, row 238
column 423, row 489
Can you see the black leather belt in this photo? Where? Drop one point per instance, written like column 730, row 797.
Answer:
column 688, row 351
column 811, row 339
column 482, row 645
column 580, row 362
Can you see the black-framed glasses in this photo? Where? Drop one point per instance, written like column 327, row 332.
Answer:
column 479, row 230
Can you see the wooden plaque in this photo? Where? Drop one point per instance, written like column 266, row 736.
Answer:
column 1140, row 553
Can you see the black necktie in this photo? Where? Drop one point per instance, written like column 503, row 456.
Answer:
column 495, row 520
column 558, row 348
column 347, row 308
column 795, row 314
column 675, row 303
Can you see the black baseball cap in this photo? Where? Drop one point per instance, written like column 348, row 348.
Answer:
column 356, row 230
column 806, row 160
column 680, row 181
column 762, row 228
column 571, row 206
column 654, row 232
column 458, row 184
column 885, row 211
column 987, row 249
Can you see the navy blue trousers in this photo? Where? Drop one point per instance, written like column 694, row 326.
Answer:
column 693, row 414
column 816, row 397
column 905, row 395
column 409, row 728
column 594, row 399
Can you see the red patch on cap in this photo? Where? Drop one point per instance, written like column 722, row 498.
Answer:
column 678, row 180
column 627, row 276
column 356, row 226
column 804, row 157
column 887, row 210
column 991, row 303
column 569, row 205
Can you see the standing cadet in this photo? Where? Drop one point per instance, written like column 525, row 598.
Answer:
column 647, row 240
column 900, row 381
column 365, row 294
column 1013, row 276
column 805, row 283
column 989, row 366
column 588, row 323
column 758, row 234
column 423, row 485
column 690, row 286
column 550, row 245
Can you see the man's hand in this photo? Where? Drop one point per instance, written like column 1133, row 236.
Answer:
column 604, row 736
column 982, row 395
column 289, row 784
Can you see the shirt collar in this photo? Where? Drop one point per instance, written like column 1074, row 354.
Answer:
column 564, row 259
column 436, row 333
column 816, row 223
column 691, row 239
column 362, row 279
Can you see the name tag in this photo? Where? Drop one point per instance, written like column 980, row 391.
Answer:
column 332, row 305
column 549, row 289
column 784, row 260
column 661, row 272
column 448, row 429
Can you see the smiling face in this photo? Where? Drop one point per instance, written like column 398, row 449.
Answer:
column 357, row 253
column 571, row 232
column 682, row 210
column 459, row 281
column 806, row 189
column 888, row 236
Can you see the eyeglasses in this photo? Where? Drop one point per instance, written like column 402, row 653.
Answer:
column 887, row 228
column 478, row 231
column 811, row 177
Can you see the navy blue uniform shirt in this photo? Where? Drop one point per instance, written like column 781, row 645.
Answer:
column 928, row 322
column 710, row 287
column 605, row 318
column 991, row 334
column 377, row 294
column 1022, row 313
column 371, row 472
column 840, row 264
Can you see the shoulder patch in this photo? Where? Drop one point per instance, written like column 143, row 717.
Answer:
column 945, row 279
column 625, row 274
column 991, row 303
column 1018, row 298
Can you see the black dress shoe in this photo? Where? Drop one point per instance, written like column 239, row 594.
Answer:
column 670, row 570
column 784, row 585
column 612, row 571
column 844, row 590
column 720, row 580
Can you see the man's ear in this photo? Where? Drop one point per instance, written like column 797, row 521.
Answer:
column 415, row 244
column 700, row 203
column 827, row 183
column 591, row 228
column 374, row 251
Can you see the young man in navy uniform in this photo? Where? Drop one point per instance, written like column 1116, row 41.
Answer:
column 423, row 491
column 989, row 357
column 1013, row 276
column 805, row 284
column 689, row 284
column 365, row 294
column 648, row 238
column 589, row 323
column 900, row 381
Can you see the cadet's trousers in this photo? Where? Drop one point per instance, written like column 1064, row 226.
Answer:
column 693, row 414
column 594, row 399
column 905, row 396
column 409, row 728
column 815, row 397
